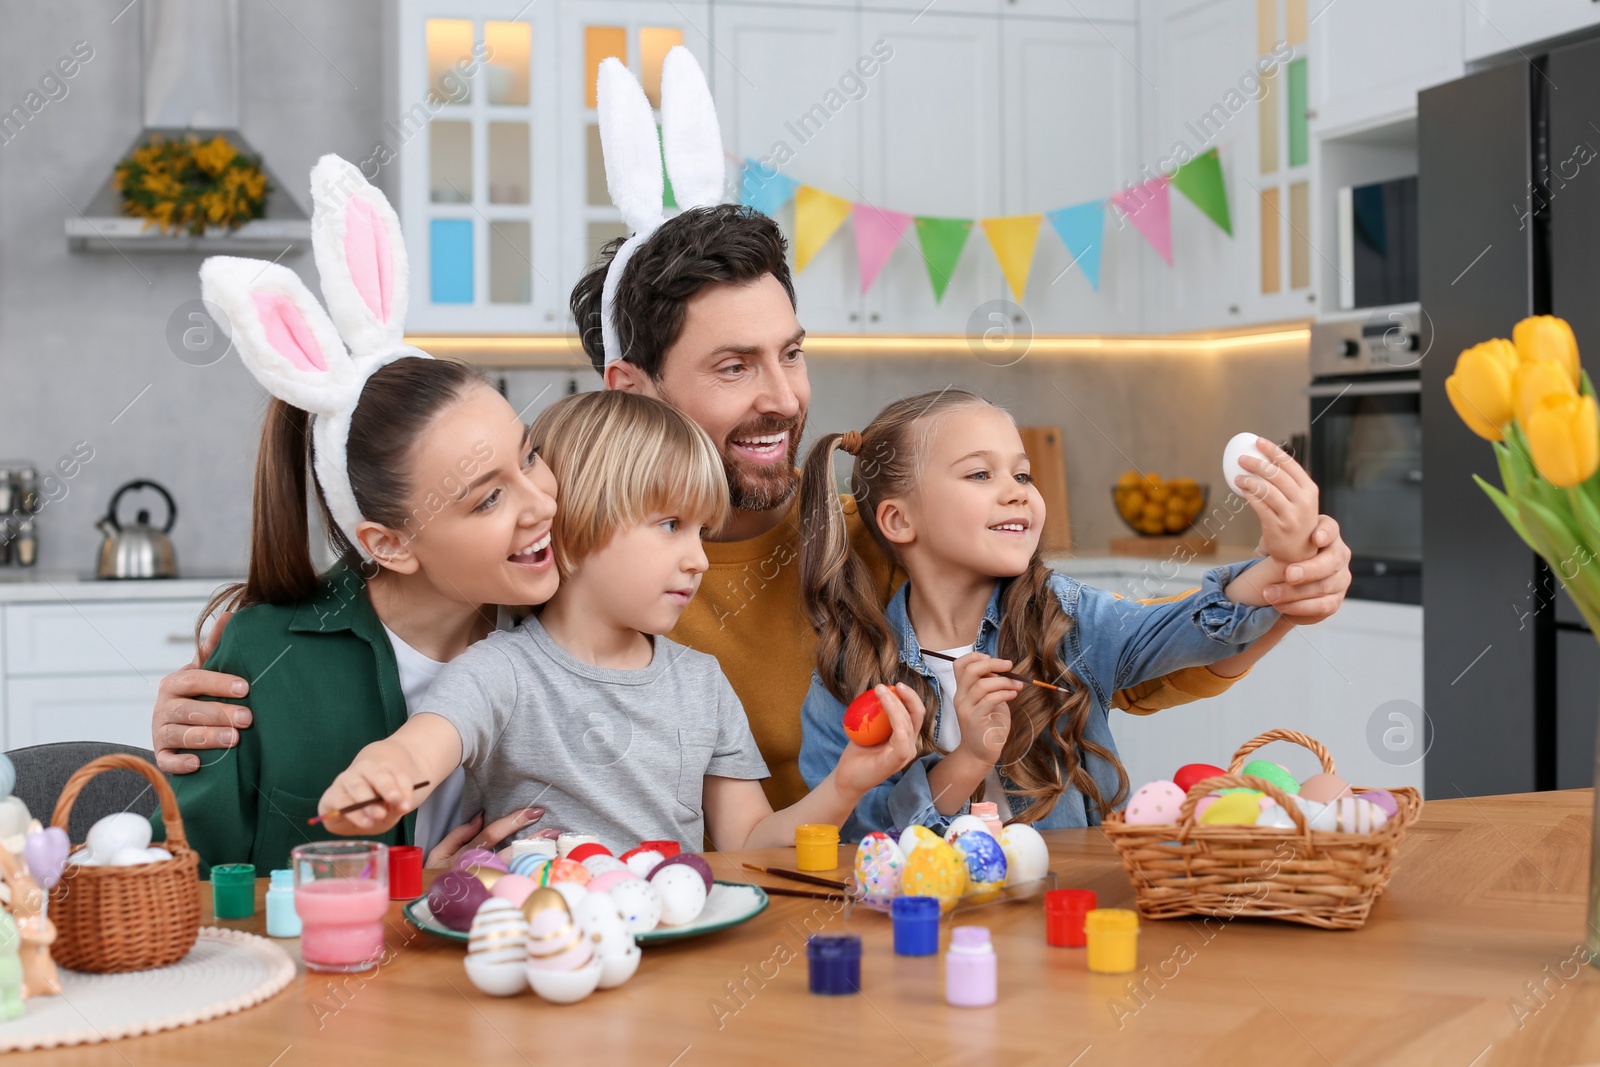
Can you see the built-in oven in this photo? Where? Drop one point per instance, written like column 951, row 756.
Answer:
column 1365, row 446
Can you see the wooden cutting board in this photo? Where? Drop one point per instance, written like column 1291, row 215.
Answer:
column 1043, row 445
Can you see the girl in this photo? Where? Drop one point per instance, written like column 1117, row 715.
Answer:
column 586, row 709
column 941, row 482
column 429, row 492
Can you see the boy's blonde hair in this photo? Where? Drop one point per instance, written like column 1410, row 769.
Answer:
column 619, row 458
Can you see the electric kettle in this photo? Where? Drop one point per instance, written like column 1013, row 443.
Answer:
column 140, row 550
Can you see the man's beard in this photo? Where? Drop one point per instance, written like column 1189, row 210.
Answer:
column 771, row 485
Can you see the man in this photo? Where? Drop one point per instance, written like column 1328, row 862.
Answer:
column 706, row 318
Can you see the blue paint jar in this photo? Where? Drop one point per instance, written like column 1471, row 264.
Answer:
column 916, row 926
column 835, row 964
column 282, row 919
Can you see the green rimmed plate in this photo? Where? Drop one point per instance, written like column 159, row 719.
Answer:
column 729, row 904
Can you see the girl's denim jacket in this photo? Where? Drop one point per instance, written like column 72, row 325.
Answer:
column 1114, row 643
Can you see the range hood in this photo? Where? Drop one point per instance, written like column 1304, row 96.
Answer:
column 190, row 71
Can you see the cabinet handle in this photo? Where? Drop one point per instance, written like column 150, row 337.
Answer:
column 873, row 317
column 549, row 316
column 855, row 316
column 180, row 639
column 1233, row 309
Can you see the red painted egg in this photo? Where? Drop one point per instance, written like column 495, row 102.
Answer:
column 1190, row 773
column 865, row 721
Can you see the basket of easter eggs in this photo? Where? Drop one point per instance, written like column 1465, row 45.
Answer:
column 132, row 908
column 1254, row 842
column 1154, row 507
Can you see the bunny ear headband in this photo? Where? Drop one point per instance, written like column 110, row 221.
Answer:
column 690, row 140
column 296, row 350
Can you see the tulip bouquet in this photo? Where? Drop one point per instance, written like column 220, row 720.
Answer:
column 1532, row 399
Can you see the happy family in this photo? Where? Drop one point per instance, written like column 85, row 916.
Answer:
column 636, row 618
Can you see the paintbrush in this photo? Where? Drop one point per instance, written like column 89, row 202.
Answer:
column 1004, row 674
column 780, row 891
column 796, row 876
column 353, row 807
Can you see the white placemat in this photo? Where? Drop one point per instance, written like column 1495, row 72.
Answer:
column 227, row 971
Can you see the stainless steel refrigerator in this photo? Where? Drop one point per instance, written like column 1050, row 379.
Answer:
column 1509, row 217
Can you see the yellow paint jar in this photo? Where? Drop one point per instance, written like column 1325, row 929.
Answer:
column 1113, row 935
column 816, row 847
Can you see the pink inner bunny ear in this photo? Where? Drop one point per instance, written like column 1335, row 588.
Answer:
column 287, row 331
column 366, row 250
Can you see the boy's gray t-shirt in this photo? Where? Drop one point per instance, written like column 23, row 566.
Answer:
column 619, row 754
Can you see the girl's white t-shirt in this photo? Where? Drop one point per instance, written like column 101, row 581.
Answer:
column 949, row 737
column 438, row 814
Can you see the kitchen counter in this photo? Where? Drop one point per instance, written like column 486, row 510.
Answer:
column 1486, row 905
column 28, row 586
column 1144, row 576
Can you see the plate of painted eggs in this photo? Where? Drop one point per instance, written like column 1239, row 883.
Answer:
column 660, row 893
column 969, row 865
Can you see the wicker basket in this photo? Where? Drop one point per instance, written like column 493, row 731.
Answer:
column 114, row 919
column 1320, row 878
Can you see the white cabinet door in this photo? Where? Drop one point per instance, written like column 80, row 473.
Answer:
column 1085, row 11
column 113, row 707
column 1494, row 26
column 932, row 148
column 130, row 637
column 789, row 96
column 1371, row 57
column 1071, row 109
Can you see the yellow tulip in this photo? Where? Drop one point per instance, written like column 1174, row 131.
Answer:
column 1536, row 379
column 1481, row 388
column 1547, row 337
column 1563, row 434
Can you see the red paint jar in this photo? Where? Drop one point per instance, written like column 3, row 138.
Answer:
column 1064, row 910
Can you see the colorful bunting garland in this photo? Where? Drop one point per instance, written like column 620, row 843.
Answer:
column 1013, row 238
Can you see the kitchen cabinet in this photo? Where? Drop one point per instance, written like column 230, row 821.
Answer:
column 1369, row 58
column 1493, row 27
column 784, row 123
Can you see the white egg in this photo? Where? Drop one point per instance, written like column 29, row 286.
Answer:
column 963, row 824
column 644, row 861
column 1275, row 817
column 1242, row 444
column 83, row 858
column 682, row 891
column 14, row 818
column 600, row 863
column 566, row 987
column 130, row 857
column 639, row 903
column 571, row 892
column 119, row 831
column 1027, row 856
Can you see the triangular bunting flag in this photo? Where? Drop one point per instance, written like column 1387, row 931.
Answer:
column 765, row 192
column 942, row 241
column 877, row 232
column 1013, row 237
column 1082, row 229
column 1200, row 180
column 816, row 215
column 1147, row 207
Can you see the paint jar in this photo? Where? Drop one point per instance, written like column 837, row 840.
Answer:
column 1064, row 910
column 405, row 872
column 835, row 961
column 971, row 972
column 916, row 925
column 282, row 919
column 989, row 812
column 1113, row 935
column 233, row 890
column 816, row 847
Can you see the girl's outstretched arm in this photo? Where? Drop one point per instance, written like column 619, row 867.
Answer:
column 426, row 749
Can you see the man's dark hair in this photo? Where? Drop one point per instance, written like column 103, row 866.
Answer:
column 725, row 244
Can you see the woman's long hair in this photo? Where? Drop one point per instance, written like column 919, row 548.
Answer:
column 856, row 648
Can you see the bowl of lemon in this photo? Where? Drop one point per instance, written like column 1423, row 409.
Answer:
column 1154, row 507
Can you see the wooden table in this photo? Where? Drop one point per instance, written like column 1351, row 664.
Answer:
column 1486, row 906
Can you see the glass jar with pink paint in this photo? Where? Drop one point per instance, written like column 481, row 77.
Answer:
column 341, row 893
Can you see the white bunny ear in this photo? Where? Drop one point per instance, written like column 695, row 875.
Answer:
column 689, row 132
column 283, row 336
column 631, row 146
column 361, row 256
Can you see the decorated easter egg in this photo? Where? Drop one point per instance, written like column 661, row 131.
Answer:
column 478, row 857
column 554, row 941
column 530, row 864
column 962, row 824
column 564, row 870
column 583, row 852
column 570, row 840
column 1275, row 773
column 1318, row 816
column 1237, row 809
column 1384, row 799
column 497, row 949
column 985, row 860
column 116, row 832
column 935, row 870
column 513, row 887
column 1027, row 857
column 1186, row 776
column 454, row 898
column 682, row 892
column 597, row 865
column 602, row 883
column 915, row 837
column 1275, row 817
column 642, row 861
column 1239, row 446
column 688, row 859
column 1203, row 806
column 639, row 903
column 1353, row 815
column 1153, row 804
column 879, row 865
column 865, row 721
column 1324, row 788
column 601, row 922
